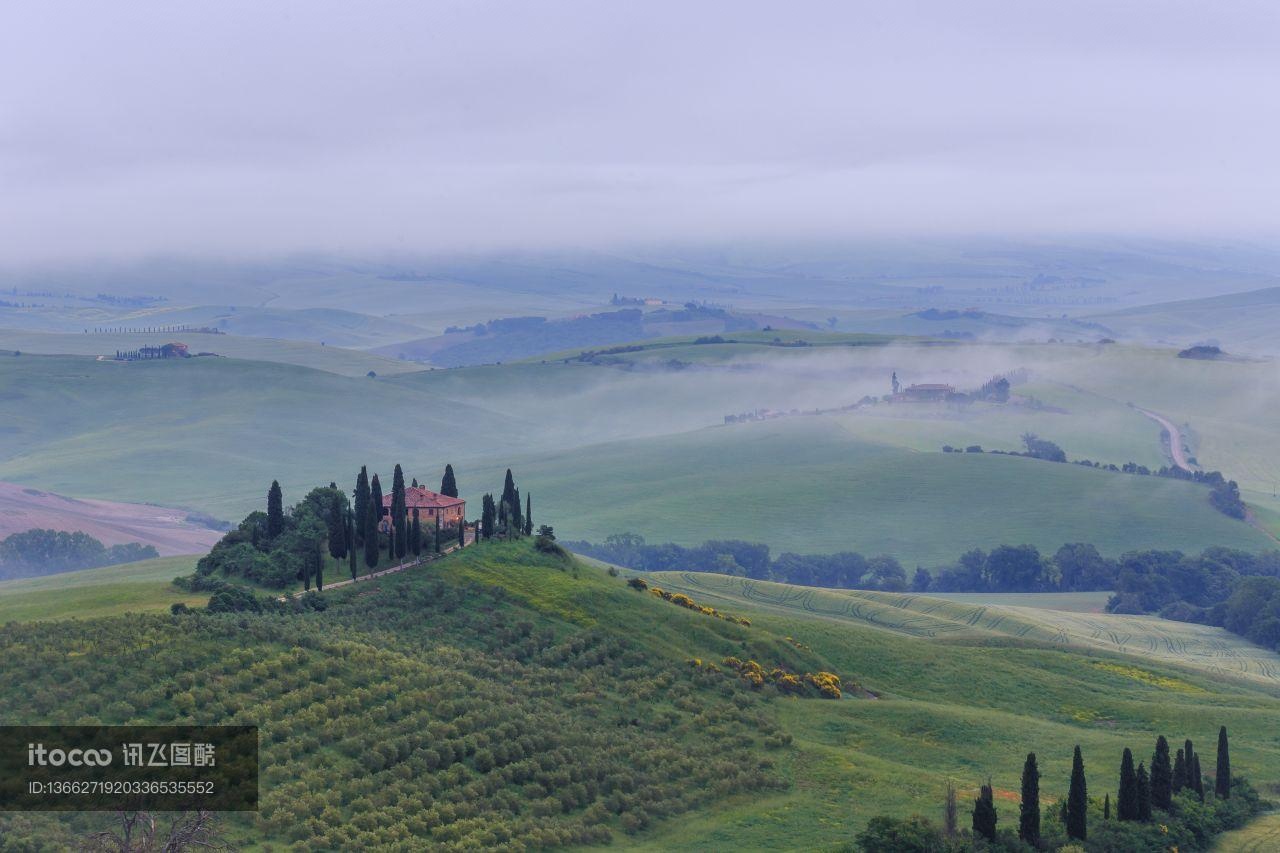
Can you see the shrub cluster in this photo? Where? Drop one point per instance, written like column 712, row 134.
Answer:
column 682, row 600
column 826, row 685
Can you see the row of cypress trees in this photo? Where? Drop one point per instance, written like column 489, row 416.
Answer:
column 1138, row 794
column 407, row 536
column 504, row 517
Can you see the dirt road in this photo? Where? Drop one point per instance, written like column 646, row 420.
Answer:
column 1176, row 449
column 391, row 570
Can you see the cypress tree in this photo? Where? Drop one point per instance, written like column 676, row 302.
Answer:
column 508, row 488
column 1144, row 794
column 371, row 536
column 399, row 513
column 528, row 514
column 1029, row 817
column 1197, row 778
column 351, row 550
column 984, row 814
column 348, row 533
column 275, row 510
column 437, row 539
column 462, row 533
column 361, row 502
column 1127, row 798
column 502, row 518
column 1161, row 776
column 448, row 485
column 1106, row 807
column 337, row 525
column 486, row 517
column 319, row 558
column 1077, row 800
column 1179, row 771
column 375, row 508
column 415, row 534
column 517, row 516
column 949, row 822
column 1222, row 780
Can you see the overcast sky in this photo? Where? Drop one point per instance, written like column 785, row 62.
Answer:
column 132, row 127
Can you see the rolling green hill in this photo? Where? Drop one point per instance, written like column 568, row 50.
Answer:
column 1239, row 322
column 1197, row 646
column 505, row 696
column 205, row 433
column 333, row 359
column 91, row 593
column 807, row 485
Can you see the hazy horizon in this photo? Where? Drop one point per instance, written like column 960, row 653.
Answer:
column 397, row 127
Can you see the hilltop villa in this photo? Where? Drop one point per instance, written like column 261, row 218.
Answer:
column 429, row 504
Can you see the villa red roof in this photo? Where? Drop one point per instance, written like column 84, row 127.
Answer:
column 420, row 498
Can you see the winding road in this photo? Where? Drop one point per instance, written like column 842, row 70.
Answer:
column 1176, row 449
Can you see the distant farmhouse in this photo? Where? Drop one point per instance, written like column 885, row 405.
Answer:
column 926, row 393
column 429, row 504
column 173, row 349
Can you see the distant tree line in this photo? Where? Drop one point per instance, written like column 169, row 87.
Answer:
column 1224, row 587
column 1224, row 494
column 36, row 552
column 1167, row 806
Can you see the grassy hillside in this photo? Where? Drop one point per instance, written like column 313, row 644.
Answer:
column 334, row 359
column 806, row 485
column 205, row 433
column 1200, row 647
column 91, row 593
column 1261, row 836
column 1238, row 322
column 570, row 712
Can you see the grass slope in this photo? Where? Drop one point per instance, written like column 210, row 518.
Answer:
column 1200, row 647
column 108, row 591
column 334, row 359
column 413, row 650
column 808, row 486
column 1239, row 322
column 206, row 433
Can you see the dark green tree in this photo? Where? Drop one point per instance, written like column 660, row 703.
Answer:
column 351, row 551
column 1179, row 771
column 1144, row 793
column 528, row 514
column 415, row 534
column 462, row 533
column 1106, row 807
column 361, row 499
column 1197, row 778
column 1029, row 817
column 1127, row 797
column 1222, row 779
column 1161, row 776
column 275, row 510
column 487, row 517
column 319, row 570
column 448, row 485
column 1077, row 800
column 371, row 535
column 516, row 516
column 337, row 524
column 399, row 514
column 984, row 814
column 437, row 537
column 375, row 499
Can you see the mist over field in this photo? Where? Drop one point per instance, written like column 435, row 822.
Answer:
column 719, row 426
